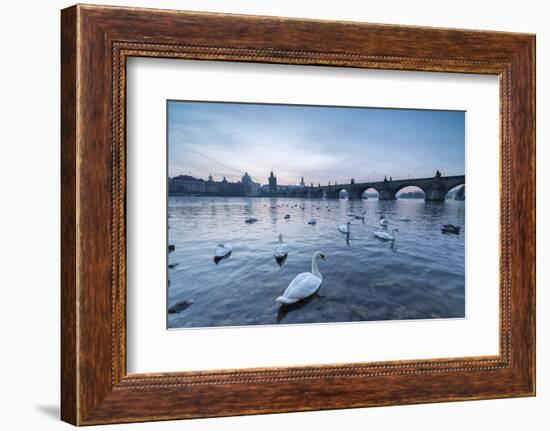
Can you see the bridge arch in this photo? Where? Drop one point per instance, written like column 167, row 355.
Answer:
column 343, row 194
column 457, row 192
column 408, row 191
column 369, row 191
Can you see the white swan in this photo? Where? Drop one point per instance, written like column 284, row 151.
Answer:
column 385, row 235
column 312, row 222
column 282, row 249
column 304, row 284
column 383, row 221
column 360, row 217
column 222, row 251
column 344, row 228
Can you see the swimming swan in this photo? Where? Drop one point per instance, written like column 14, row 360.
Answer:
column 281, row 251
column 344, row 228
column 304, row 284
column 385, row 235
column 222, row 251
column 383, row 221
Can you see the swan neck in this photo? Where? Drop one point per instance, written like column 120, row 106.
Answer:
column 315, row 266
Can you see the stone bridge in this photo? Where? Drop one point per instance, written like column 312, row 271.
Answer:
column 434, row 188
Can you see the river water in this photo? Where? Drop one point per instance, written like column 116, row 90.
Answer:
column 420, row 275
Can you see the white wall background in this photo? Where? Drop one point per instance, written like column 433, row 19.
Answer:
column 29, row 215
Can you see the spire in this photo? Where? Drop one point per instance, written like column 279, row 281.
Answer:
column 272, row 183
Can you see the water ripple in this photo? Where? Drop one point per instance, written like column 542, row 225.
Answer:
column 419, row 276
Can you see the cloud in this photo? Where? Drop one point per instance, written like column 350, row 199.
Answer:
column 320, row 143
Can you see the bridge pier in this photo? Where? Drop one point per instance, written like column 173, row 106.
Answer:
column 386, row 195
column 435, row 194
column 354, row 193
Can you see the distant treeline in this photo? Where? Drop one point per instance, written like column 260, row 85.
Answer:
column 418, row 194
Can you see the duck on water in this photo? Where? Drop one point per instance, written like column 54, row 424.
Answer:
column 450, row 228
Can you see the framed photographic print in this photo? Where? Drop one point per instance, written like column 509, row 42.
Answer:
column 269, row 232
column 258, row 208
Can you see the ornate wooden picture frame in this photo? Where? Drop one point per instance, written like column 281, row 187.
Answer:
column 96, row 41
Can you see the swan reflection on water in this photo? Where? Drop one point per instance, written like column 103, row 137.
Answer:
column 218, row 259
column 284, row 310
column 281, row 260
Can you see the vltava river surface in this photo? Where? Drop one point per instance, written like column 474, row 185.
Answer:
column 418, row 276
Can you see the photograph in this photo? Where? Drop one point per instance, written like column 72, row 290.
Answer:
column 300, row 214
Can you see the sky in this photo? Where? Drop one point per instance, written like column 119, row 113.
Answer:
column 320, row 143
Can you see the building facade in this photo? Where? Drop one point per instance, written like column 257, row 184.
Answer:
column 187, row 185
column 251, row 188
